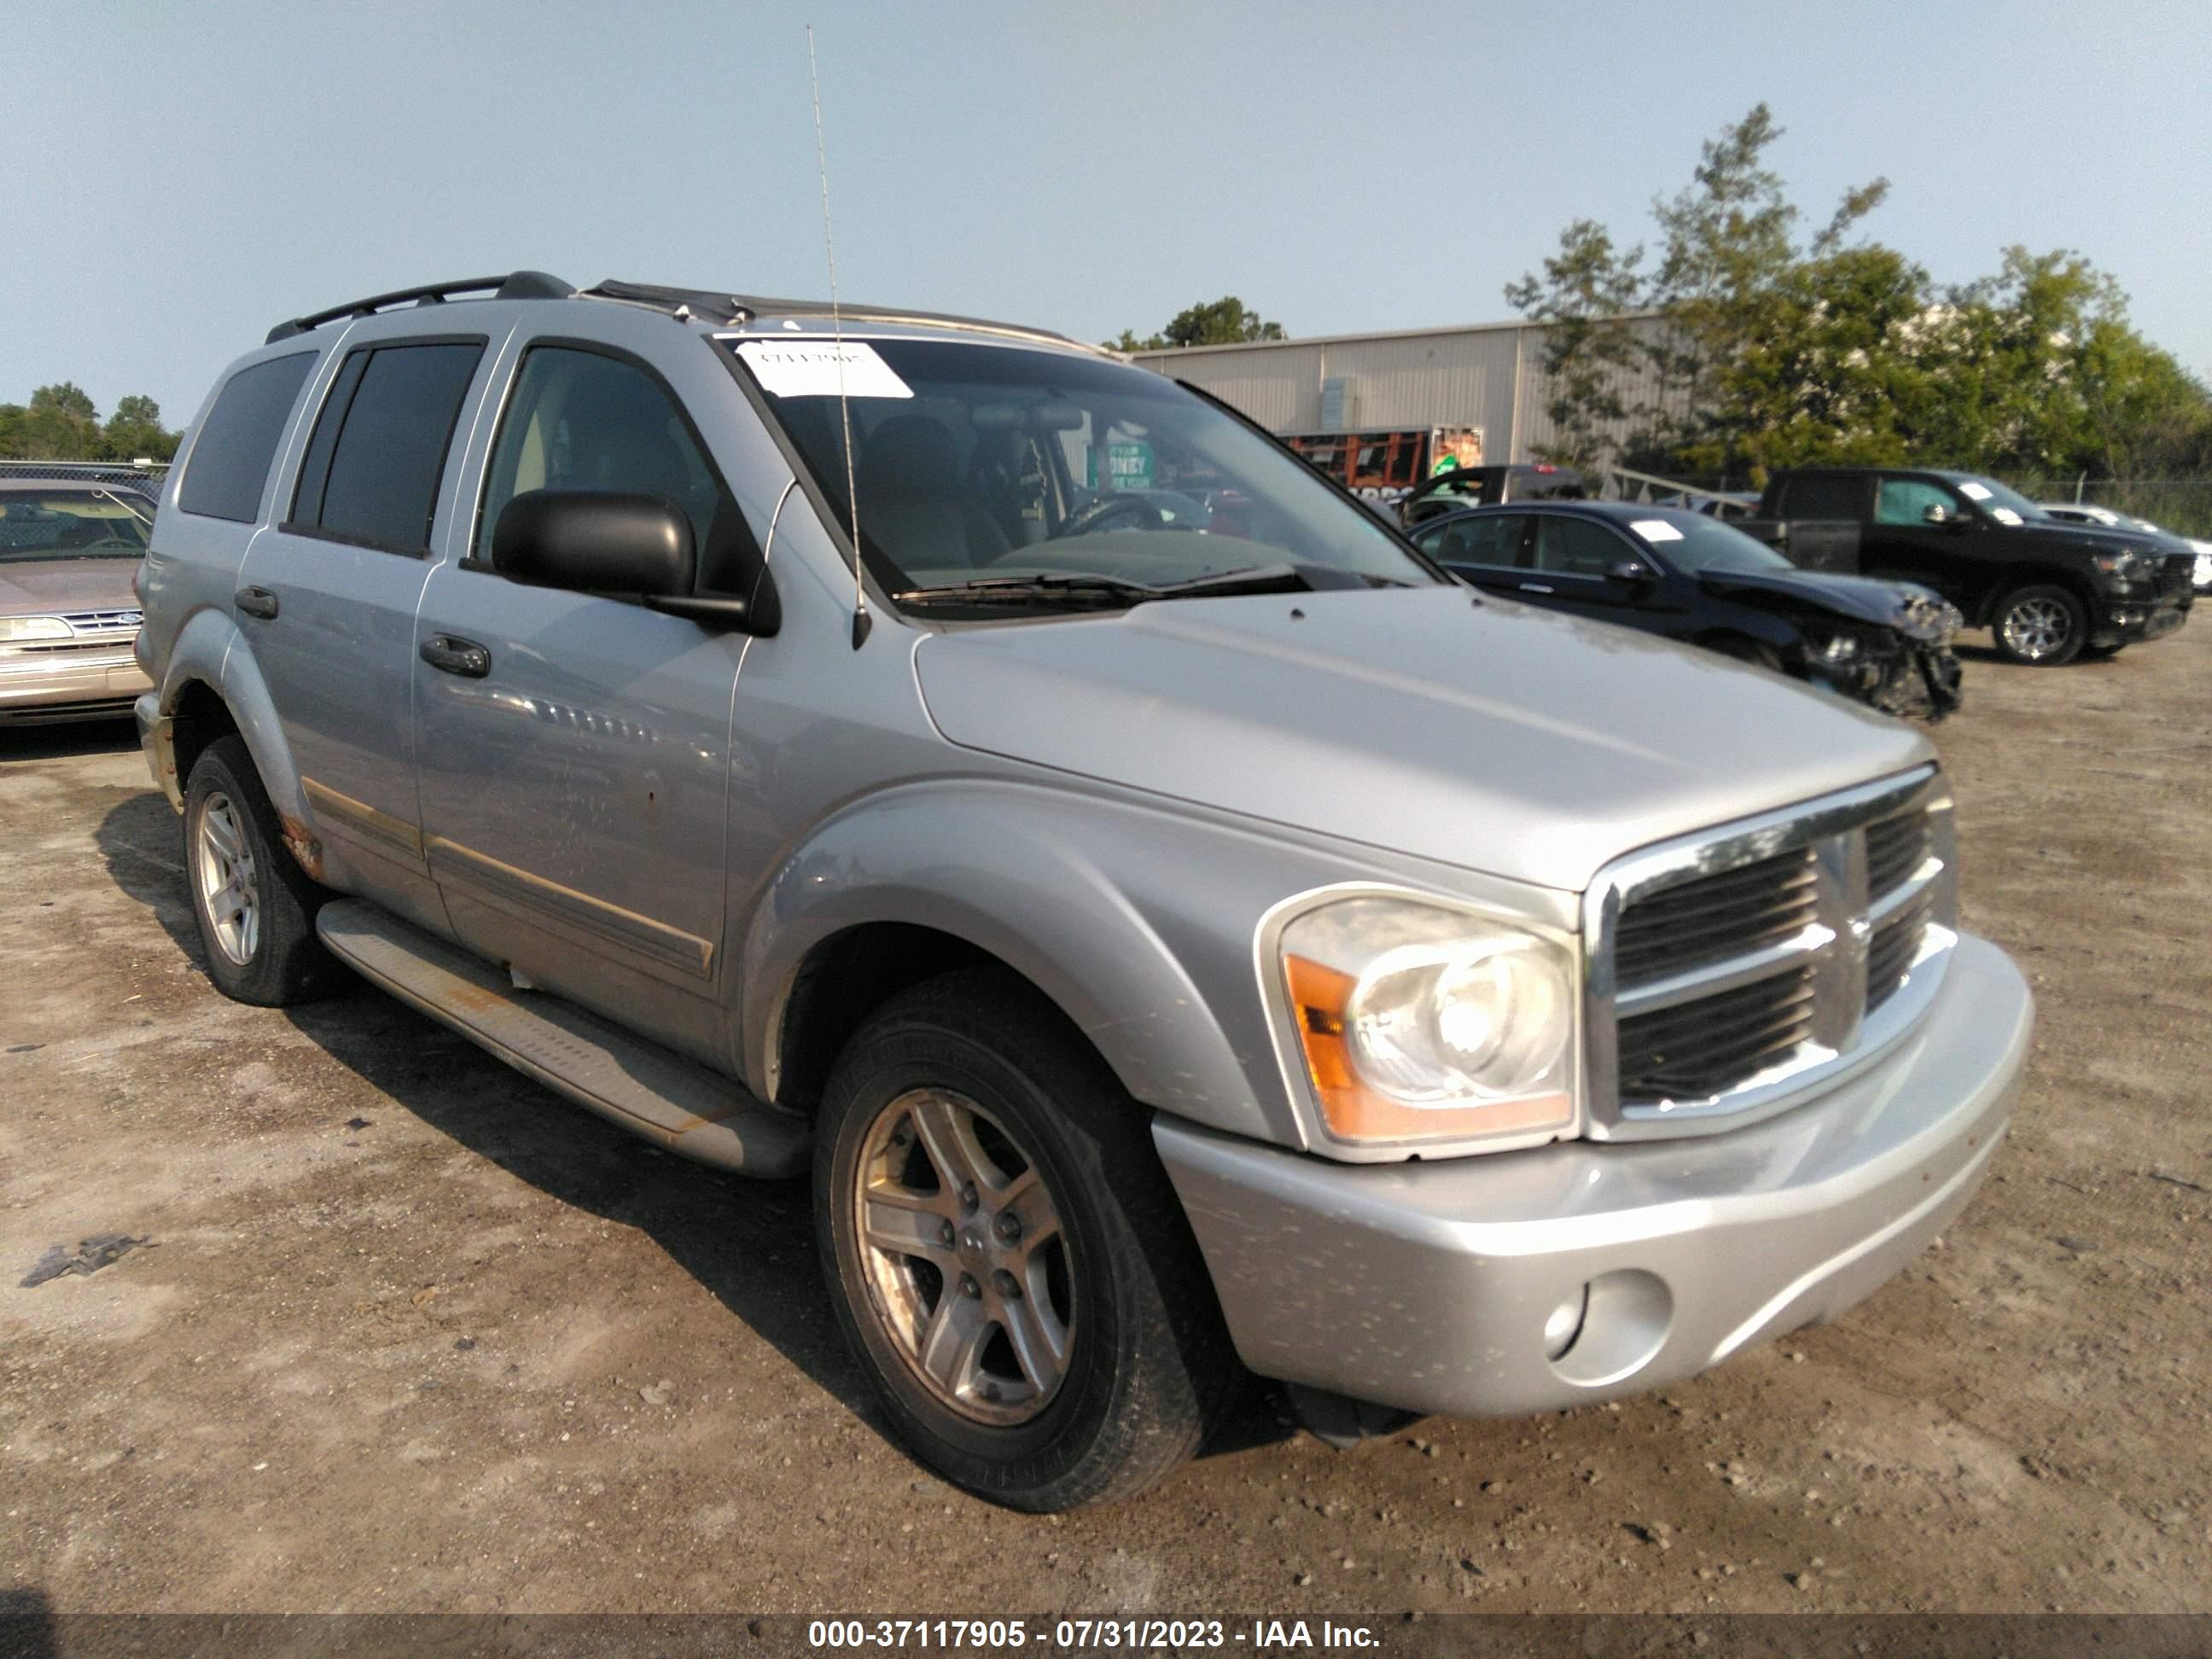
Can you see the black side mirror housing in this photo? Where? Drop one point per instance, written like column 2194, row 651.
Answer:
column 1627, row 572
column 594, row 541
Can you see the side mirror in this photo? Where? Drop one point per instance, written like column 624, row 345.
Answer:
column 594, row 541
column 1935, row 512
column 1627, row 572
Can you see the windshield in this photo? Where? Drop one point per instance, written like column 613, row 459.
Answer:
column 1691, row 541
column 72, row 525
column 993, row 474
column 1997, row 499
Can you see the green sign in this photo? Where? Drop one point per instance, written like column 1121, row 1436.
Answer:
column 1128, row 466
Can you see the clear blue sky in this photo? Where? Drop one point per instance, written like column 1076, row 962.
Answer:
column 178, row 178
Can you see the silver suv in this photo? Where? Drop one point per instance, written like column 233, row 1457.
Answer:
column 1180, row 945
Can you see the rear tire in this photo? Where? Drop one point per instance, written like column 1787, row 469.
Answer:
column 1010, row 1264
column 255, row 905
column 2040, row 626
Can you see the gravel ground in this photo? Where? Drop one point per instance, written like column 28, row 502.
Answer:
column 410, row 1333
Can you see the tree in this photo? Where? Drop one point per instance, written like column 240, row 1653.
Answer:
column 1588, row 290
column 1756, row 352
column 135, row 432
column 1225, row 321
column 61, row 423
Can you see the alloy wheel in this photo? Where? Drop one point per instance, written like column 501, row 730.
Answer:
column 966, row 1262
column 2035, row 628
column 229, row 884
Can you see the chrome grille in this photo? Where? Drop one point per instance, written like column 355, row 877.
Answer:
column 1896, row 942
column 1895, row 848
column 1702, row 1047
column 1727, row 973
column 90, row 630
column 1715, row 917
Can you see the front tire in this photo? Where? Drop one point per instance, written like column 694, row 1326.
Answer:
column 1009, row 1263
column 2040, row 626
column 255, row 906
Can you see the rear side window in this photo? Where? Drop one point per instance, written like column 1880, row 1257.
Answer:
column 1824, row 498
column 229, row 460
column 371, row 473
column 1486, row 538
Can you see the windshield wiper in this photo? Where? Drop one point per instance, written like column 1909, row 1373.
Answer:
column 1106, row 591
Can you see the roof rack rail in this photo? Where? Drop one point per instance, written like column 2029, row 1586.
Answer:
column 743, row 307
column 515, row 285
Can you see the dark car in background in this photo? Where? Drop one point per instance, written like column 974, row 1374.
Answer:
column 1488, row 486
column 1688, row 576
column 2047, row 591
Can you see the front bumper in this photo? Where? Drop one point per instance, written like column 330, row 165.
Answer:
column 1428, row 1285
column 2126, row 622
column 37, row 687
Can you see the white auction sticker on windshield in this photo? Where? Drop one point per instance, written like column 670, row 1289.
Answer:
column 2004, row 515
column 1974, row 492
column 821, row 369
column 1655, row 530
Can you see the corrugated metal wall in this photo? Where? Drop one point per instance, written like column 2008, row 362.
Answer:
column 1439, row 377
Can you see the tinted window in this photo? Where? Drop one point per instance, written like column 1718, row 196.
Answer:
column 229, row 460
column 579, row 420
column 1824, row 498
column 1902, row 500
column 1491, row 538
column 1578, row 547
column 372, row 469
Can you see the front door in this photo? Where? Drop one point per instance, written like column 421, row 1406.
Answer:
column 1902, row 544
column 327, row 597
column 1568, row 562
column 573, row 751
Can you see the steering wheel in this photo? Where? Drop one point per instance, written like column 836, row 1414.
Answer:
column 1086, row 519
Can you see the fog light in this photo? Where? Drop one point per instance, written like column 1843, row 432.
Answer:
column 1565, row 1324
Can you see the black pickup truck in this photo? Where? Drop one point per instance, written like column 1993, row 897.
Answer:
column 2048, row 591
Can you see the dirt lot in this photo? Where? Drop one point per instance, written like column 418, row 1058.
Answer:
column 412, row 1333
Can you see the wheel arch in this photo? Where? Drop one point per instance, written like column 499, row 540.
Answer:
column 935, row 878
column 212, row 686
column 2036, row 575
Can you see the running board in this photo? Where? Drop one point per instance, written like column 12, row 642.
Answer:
column 644, row 1087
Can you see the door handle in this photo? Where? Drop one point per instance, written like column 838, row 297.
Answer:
column 256, row 602
column 1534, row 587
column 450, row 654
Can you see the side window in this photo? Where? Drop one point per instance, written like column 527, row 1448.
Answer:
column 372, row 469
column 228, row 463
column 1825, row 498
column 1487, row 539
column 1902, row 500
column 1576, row 547
column 579, row 420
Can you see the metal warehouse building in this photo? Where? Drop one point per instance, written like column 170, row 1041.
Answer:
column 1489, row 376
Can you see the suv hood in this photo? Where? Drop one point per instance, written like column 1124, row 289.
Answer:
column 39, row 587
column 1902, row 605
column 1522, row 743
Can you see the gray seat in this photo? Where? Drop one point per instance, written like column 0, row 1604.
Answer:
column 912, row 504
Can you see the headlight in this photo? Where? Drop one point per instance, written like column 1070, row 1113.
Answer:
column 16, row 628
column 2126, row 565
column 1837, row 651
column 1419, row 1023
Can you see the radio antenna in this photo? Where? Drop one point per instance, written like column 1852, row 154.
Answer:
column 860, row 619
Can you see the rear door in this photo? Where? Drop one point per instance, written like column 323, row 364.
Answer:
column 574, row 748
column 1490, row 549
column 327, row 597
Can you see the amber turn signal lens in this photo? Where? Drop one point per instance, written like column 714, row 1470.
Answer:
column 1352, row 1111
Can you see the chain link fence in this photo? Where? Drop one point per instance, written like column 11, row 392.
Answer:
column 147, row 478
